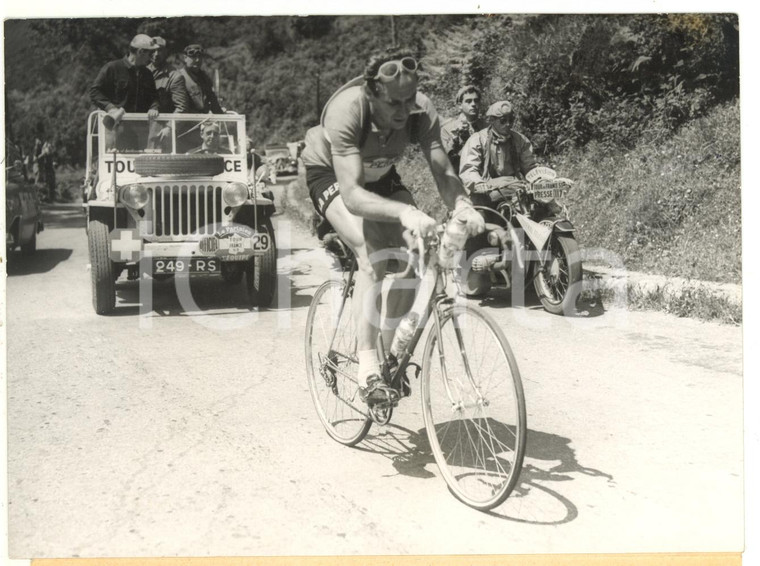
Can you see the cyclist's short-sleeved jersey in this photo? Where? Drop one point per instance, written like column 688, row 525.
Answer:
column 347, row 129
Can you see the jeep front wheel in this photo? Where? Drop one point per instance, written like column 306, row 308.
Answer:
column 261, row 272
column 101, row 267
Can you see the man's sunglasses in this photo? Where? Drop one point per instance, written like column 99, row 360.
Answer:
column 194, row 53
column 391, row 69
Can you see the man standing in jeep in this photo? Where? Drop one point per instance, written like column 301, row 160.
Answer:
column 200, row 92
column 172, row 94
column 127, row 83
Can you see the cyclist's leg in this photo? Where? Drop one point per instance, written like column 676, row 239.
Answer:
column 348, row 226
column 381, row 237
column 324, row 192
column 325, row 195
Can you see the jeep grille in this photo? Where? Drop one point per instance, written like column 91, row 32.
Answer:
column 181, row 210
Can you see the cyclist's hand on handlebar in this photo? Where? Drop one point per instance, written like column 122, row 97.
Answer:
column 418, row 222
column 465, row 213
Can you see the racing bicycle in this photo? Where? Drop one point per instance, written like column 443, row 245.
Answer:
column 473, row 403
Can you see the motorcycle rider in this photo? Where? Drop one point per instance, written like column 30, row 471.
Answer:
column 494, row 157
column 350, row 171
column 456, row 131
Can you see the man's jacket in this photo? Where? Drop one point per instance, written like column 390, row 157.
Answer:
column 120, row 84
column 172, row 94
column 200, row 92
column 455, row 132
column 487, row 155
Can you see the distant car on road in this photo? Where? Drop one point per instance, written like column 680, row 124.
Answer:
column 23, row 214
column 280, row 156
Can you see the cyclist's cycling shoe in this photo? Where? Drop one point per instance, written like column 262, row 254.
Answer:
column 335, row 245
column 377, row 391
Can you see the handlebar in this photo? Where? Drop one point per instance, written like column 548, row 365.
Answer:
column 414, row 244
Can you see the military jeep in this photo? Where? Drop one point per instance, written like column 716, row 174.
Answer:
column 162, row 201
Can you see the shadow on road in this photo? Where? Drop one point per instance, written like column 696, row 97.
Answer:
column 64, row 215
column 548, row 458
column 207, row 293
column 587, row 306
column 41, row 261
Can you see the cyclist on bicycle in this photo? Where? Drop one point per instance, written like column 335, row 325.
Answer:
column 350, row 171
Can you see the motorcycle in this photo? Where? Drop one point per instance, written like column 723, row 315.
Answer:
column 528, row 238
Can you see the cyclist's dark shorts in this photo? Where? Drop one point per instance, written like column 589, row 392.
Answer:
column 323, row 186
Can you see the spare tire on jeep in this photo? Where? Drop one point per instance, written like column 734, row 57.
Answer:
column 194, row 164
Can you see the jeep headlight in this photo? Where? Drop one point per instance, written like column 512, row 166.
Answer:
column 134, row 196
column 235, row 194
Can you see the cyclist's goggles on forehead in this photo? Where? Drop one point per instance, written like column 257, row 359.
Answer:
column 391, row 69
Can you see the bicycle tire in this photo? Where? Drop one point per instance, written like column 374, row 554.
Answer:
column 332, row 371
column 477, row 439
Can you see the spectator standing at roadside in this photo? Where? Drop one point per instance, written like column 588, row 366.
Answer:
column 47, row 166
column 456, row 131
column 127, row 83
column 170, row 85
column 198, row 85
column 36, row 169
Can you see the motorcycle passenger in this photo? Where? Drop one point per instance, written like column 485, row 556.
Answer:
column 350, row 171
column 496, row 155
column 456, row 131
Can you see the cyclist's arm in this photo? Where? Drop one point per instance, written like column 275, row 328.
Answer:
column 358, row 200
column 447, row 181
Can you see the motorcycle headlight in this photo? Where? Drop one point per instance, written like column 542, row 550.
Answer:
column 235, row 194
column 134, row 196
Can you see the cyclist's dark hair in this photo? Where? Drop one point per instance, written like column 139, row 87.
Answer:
column 379, row 57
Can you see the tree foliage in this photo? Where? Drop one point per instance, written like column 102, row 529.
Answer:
column 575, row 79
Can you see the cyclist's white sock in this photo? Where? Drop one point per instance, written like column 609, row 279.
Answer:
column 368, row 365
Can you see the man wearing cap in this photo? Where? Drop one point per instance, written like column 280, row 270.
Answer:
column 456, row 131
column 127, row 83
column 198, row 87
column 495, row 156
column 170, row 85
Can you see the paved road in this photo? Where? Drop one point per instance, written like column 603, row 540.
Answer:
column 189, row 430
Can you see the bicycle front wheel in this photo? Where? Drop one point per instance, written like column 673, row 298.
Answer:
column 474, row 407
column 332, row 364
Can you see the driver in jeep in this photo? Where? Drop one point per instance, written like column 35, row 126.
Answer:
column 350, row 171
column 212, row 140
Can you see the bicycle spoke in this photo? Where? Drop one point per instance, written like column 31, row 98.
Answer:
column 332, row 363
column 473, row 408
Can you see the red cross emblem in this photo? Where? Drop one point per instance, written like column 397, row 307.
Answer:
column 126, row 245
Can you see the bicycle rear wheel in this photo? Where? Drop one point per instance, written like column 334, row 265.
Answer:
column 332, row 364
column 474, row 407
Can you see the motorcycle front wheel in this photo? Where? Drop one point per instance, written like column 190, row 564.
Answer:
column 560, row 274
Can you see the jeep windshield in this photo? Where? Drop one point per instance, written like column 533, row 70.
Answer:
column 176, row 134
